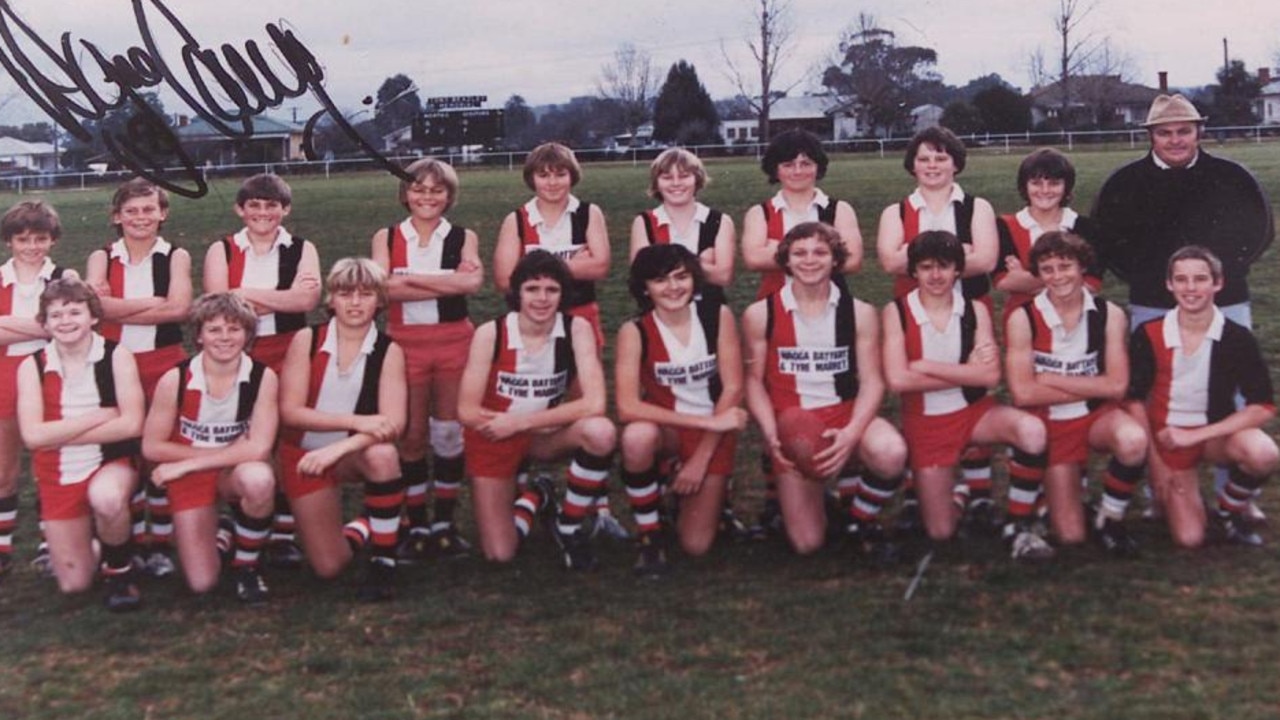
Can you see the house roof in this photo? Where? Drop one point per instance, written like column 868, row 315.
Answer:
column 1271, row 88
column 1111, row 87
column 263, row 127
column 803, row 107
column 11, row 147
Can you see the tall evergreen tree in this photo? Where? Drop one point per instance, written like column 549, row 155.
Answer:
column 684, row 113
column 519, row 123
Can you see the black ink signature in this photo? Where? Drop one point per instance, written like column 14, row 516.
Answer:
column 226, row 87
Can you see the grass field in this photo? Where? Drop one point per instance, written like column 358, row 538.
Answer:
column 748, row 632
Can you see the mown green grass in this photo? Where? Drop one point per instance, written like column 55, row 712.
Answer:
column 749, row 632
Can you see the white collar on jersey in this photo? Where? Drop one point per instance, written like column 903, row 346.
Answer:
column 330, row 344
column 515, row 340
column 535, row 217
column 411, row 236
column 283, row 239
column 700, row 213
column 1050, row 313
column 53, row 361
column 1027, row 222
column 200, row 381
column 916, row 198
column 121, row 251
column 820, row 199
column 1173, row 336
column 789, row 297
column 921, row 316
column 9, row 272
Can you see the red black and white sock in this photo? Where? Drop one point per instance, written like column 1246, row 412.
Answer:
column 417, row 479
column 586, row 483
column 117, row 559
column 1117, row 487
column 449, row 472
column 645, row 497
column 1026, row 476
column 283, row 526
column 8, row 521
column 161, row 516
column 251, row 534
column 873, row 494
column 382, row 505
column 1239, row 491
column 526, row 507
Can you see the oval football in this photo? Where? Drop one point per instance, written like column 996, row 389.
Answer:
column 800, row 434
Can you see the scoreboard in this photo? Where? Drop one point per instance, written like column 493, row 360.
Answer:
column 458, row 121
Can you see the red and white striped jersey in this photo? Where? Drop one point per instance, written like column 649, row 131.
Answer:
column 441, row 256
column 1079, row 352
column 205, row 421
column 810, row 362
column 146, row 278
column 522, row 381
column 67, row 398
column 684, row 377
column 274, row 271
column 952, row 344
column 23, row 300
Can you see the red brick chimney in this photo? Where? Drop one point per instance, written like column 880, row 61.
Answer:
column 1264, row 75
column 1164, row 81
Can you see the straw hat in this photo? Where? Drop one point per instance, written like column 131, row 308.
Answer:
column 1170, row 109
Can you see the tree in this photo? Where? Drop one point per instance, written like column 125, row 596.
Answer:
column 1074, row 53
column 398, row 104
column 882, row 77
column 29, row 132
column 1234, row 96
column 582, row 122
column 137, row 132
column 629, row 80
column 519, row 124
column 770, row 44
column 962, row 118
column 1002, row 109
column 683, row 112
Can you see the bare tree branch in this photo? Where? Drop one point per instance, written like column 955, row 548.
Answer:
column 630, row 81
column 770, row 44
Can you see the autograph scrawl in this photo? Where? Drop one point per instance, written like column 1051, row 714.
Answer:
column 227, row 87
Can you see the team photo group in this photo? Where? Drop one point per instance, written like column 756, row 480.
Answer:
column 996, row 350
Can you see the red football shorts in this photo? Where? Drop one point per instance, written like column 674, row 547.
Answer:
column 433, row 349
column 494, row 458
column 938, row 440
column 294, row 483
column 721, row 460
column 154, row 363
column 69, row 502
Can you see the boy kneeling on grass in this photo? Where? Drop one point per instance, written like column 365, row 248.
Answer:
column 209, row 432
column 534, row 388
column 342, row 405
column 80, row 412
column 1188, row 368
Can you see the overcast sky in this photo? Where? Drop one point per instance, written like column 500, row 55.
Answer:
column 551, row 50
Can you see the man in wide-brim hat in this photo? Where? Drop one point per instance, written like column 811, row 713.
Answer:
column 1180, row 195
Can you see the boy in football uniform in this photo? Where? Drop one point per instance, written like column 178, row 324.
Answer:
column 1187, row 369
column 534, row 388
column 210, row 431
column 80, row 412
column 279, row 274
column 144, row 283
column 342, row 411
column 811, row 344
column 940, row 355
column 679, row 390
column 1068, row 361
